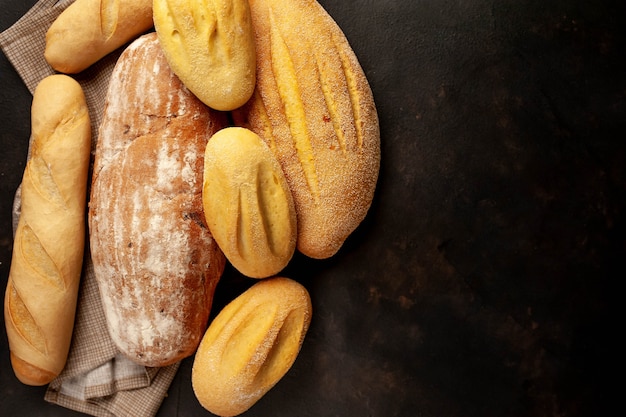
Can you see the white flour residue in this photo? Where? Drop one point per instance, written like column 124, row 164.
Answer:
column 168, row 167
column 189, row 168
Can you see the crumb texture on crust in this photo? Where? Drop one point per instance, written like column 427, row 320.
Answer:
column 313, row 106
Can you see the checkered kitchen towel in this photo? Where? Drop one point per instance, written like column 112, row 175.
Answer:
column 97, row 380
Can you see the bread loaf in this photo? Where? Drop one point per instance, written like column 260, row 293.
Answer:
column 41, row 293
column 315, row 109
column 247, row 203
column 90, row 29
column 250, row 345
column 210, row 46
column 154, row 259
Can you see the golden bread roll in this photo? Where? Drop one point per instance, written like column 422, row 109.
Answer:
column 314, row 108
column 42, row 290
column 247, row 203
column 154, row 259
column 88, row 30
column 250, row 345
column 210, row 46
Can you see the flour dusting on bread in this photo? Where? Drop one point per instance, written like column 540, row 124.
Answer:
column 155, row 260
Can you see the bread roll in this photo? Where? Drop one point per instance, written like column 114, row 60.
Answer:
column 90, row 29
column 315, row 109
column 250, row 346
column 154, row 259
column 210, row 46
column 42, row 290
column 247, row 203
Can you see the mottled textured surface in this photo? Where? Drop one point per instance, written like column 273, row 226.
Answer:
column 483, row 281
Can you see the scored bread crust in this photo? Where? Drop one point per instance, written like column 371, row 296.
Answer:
column 90, row 29
column 250, row 345
column 42, row 289
column 247, row 203
column 315, row 109
column 210, row 46
column 154, row 258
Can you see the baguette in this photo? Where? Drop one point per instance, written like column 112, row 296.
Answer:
column 250, row 345
column 155, row 261
column 88, row 30
column 42, row 290
column 315, row 109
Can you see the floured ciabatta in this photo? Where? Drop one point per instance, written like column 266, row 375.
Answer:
column 154, row 258
column 314, row 108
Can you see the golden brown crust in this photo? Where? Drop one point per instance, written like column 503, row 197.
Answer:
column 315, row 109
column 154, row 258
column 29, row 374
column 250, row 345
column 210, row 46
column 42, row 289
column 90, row 29
column 247, row 203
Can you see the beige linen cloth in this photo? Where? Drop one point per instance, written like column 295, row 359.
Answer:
column 97, row 380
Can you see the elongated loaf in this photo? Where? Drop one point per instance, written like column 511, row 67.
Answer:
column 315, row 109
column 154, row 258
column 41, row 293
column 90, row 29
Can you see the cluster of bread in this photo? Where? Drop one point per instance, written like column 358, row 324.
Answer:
column 240, row 131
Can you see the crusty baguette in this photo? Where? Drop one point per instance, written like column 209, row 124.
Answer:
column 250, row 345
column 247, row 203
column 41, row 294
column 210, row 46
column 314, row 107
column 88, row 30
column 154, row 258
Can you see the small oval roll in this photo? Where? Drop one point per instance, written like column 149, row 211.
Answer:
column 250, row 345
column 210, row 47
column 247, row 203
column 42, row 290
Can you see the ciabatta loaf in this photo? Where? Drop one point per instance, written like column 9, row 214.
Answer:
column 154, row 258
column 42, row 290
column 315, row 109
column 90, row 29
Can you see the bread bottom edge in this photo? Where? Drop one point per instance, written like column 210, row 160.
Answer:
column 30, row 374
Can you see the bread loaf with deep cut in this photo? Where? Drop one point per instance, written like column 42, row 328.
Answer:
column 314, row 107
column 155, row 261
column 247, row 203
column 250, row 345
column 88, row 30
column 210, row 46
column 42, row 289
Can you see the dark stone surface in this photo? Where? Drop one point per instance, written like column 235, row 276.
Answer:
column 484, row 281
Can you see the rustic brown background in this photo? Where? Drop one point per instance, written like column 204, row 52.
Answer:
column 484, row 281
